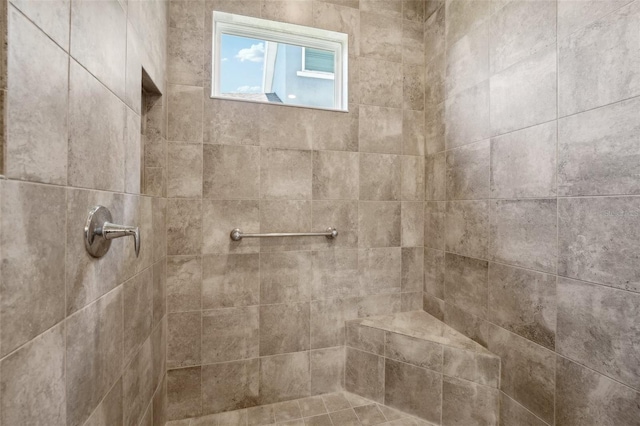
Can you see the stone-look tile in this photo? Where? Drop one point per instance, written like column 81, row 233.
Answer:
column 185, row 51
column 380, row 177
column 184, row 281
column 184, row 226
column 573, row 15
column 284, row 377
column 109, row 412
column 342, row 215
column 380, row 130
column 434, row 29
column 186, row 14
column 260, row 415
column 413, row 42
column 523, row 302
column 468, row 60
column 327, row 321
column 286, row 277
column 94, row 351
column 466, row 283
column 297, row 12
column 523, row 163
column 284, row 328
column 184, row 170
column 288, row 410
column 524, row 233
column 512, row 413
column 285, row 174
column 132, row 154
column 434, row 129
column 433, row 306
column 137, row 386
column 468, row 171
column 379, row 224
column 584, row 396
column 378, row 304
column 414, row 390
column 36, row 127
column 52, row 17
column 96, row 119
column 412, row 178
column 466, row 323
column 336, row 130
column 184, row 394
column 418, row 352
column 365, row 375
column 469, row 403
column 412, row 222
column 334, row 274
column 184, row 337
column 596, row 238
column 312, row 406
column 220, row 217
column 321, row 420
column 527, row 371
column 133, row 72
column 520, row 29
column 335, row 176
column 231, row 172
column 434, row 272
column 434, row 81
column 33, row 291
column 434, row 221
column 380, row 83
column 599, row 55
column 185, row 113
column 413, row 86
column 98, row 41
column 588, row 312
column 295, row 129
column 159, row 220
column 412, row 269
column 327, row 370
column 364, row 338
column 467, row 228
column 380, row 37
column 230, row 280
column 335, row 17
column 467, row 116
column 389, row 8
column 380, row 270
column 370, row 414
column 346, row 417
column 516, row 106
column 413, row 133
column 477, row 367
column 462, row 15
column 230, row 385
column 230, row 334
column 158, row 352
column 595, row 149
column 225, row 122
column 33, row 381
column 285, row 216
column 435, row 176
column 137, row 294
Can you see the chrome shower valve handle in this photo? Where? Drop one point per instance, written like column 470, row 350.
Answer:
column 99, row 231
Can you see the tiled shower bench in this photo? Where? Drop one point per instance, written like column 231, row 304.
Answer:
column 415, row 363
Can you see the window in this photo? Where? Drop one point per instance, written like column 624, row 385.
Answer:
column 257, row 60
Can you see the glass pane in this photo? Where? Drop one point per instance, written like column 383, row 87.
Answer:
column 267, row 71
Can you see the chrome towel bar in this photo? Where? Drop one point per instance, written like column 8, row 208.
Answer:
column 331, row 233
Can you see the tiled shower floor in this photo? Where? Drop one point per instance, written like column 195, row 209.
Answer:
column 335, row 409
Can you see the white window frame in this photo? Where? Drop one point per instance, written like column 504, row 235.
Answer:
column 280, row 32
column 304, row 72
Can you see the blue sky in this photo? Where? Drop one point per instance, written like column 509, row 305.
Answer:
column 241, row 64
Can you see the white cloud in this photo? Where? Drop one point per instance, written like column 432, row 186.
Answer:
column 249, row 89
column 254, row 54
column 225, row 59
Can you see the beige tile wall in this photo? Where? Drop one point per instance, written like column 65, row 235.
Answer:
column 262, row 321
column 531, row 212
column 82, row 341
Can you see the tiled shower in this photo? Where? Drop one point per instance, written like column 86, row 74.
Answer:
column 483, row 182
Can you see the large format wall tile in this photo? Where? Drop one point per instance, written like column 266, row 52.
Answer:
column 365, row 375
column 379, row 224
column 97, row 120
column 285, row 174
column 184, row 120
column 468, row 172
column 32, row 290
column 231, row 172
column 466, row 283
column 185, row 52
column 380, row 177
column 524, row 233
column 585, row 313
column 468, row 61
column 381, row 37
column 597, row 151
column 586, row 397
column 414, row 390
column 527, row 371
column 467, row 116
column 597, row 63
column 335, row 175
column 230, row 280
column 52, row 17
column 597, row 239
column 184, row 394
column 284, row 328
column 220, row 217
column 380, row 83
column 230, row 385
column 36, row 126
column 466, row 228
column 284, row 377
column 468, row 403
column 514, row 414
column 230, row 334
column 515, row 105
column 98, row 40
column 573, row 15
column 463, row 15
